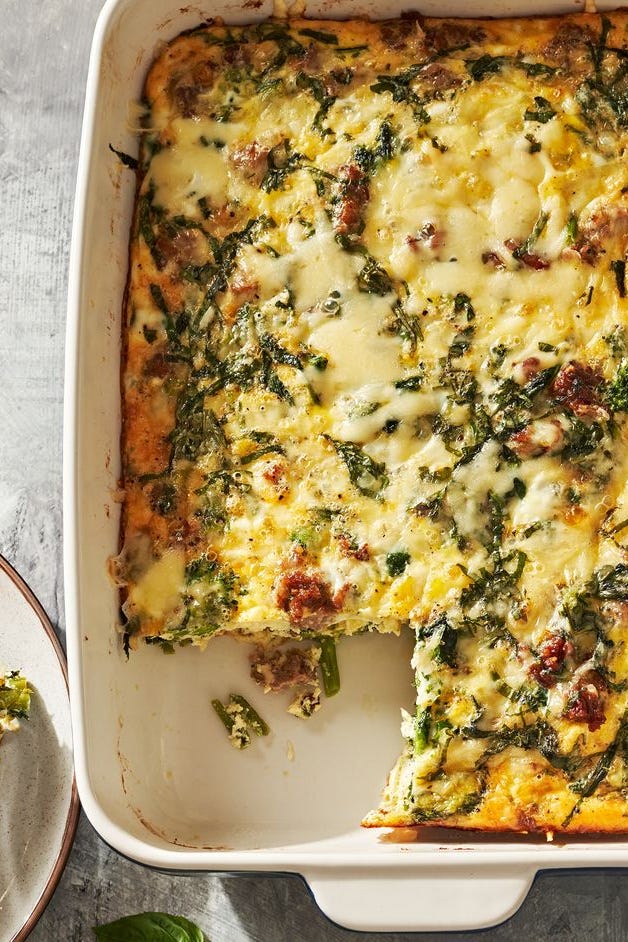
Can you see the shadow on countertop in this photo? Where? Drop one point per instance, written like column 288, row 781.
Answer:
column 99, row 886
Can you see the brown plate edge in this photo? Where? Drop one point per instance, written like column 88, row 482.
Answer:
column 75, row 806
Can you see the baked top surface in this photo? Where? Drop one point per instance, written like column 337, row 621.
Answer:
column 375, row 376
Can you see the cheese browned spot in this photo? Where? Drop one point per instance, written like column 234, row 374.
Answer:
column 376, row 375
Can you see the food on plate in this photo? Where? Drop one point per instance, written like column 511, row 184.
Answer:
column 376, row 374
column 15, row 701
column 240, row 719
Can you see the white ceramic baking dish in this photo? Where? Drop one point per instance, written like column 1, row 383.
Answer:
column 155, row 773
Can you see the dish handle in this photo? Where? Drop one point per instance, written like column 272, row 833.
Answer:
column 422, row 898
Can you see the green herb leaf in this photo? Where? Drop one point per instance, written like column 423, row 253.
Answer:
column 537, row 68
column 278, row 353
column 370, row 159
column 410, row 383
column 582, row 438
column 396, row 562
column 367, row 475
column 320, row 36
column 519, row 488
column 617, row 391
column 422, row 722
column 399, row 87
column 444, row 638
column 543, row 113
column 526, row 247
column 407, row 327
column 317, row 88
column 281, row 162
column 251, row 717
column 131, row 162
column 611, row 583
column 328, row 664
column 486, row 65
column 571, row 229
column 149, row 927
column 373, row 279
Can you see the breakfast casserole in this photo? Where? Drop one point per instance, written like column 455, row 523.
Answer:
column 376, row 376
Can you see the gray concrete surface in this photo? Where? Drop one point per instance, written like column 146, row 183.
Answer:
column 43, row 64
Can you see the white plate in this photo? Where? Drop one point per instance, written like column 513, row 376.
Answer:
column 38, row 803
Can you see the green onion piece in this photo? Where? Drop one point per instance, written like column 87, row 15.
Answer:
column 250, row 715
column 329, row 667
column 15, row 696
column 221, row 711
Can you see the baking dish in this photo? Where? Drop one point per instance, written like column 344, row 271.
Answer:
column 155, row 773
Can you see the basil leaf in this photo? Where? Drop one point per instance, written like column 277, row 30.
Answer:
column 150, row 927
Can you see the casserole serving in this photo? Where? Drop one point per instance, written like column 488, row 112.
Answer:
column 162, row 795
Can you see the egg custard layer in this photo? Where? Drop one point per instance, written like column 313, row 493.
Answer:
column 376, row 375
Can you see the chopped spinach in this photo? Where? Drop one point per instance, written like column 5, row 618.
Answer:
column 617, row 390
column 131, row 162
column 368, row 475
column 443, row 638
column 543, row 112
column 407, row 327
column 373, row 279
column 582, row 438
column 486, row 65
column 410, row 383
column 370, row 159
column 281, row 162
column 316, row 87
column 399, row 87
column 396, row 562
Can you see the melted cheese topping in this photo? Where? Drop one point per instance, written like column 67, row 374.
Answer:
column 375, row 376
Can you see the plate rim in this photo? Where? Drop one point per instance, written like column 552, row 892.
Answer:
column 74, row 808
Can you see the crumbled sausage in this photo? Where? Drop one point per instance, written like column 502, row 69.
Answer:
column 183, row 248
column 428, row 235
column 252, row 160
column 570, row 45
column 603, row 226
column 353, row 195
column 451, row 35
column 527, row 369
column 306, row 597
column 529, row 259
column 494, row 260
column 536, row 439
column 352, row 549
column 439, row 78
column 157, row 367
column 275, row 475
column 577, row 387
column 586, row 702
column 283, row 668
column 551, row 657
column 186, row 89
column 405, row 32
